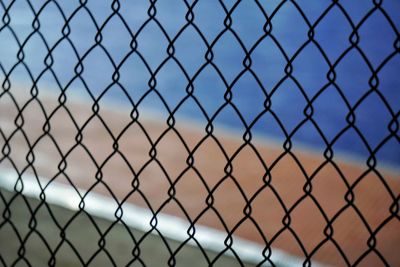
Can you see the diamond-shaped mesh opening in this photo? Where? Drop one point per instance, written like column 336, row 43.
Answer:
column 220, row 133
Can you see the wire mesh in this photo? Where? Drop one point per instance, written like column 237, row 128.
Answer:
column 56, row 53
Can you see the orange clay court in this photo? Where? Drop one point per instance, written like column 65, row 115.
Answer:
column 374, row 196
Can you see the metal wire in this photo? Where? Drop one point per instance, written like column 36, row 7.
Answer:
column 190, row 77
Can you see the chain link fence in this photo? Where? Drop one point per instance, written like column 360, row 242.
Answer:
column 271, row 124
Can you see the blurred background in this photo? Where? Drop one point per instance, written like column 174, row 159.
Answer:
column 168, row 104
column 64, row 46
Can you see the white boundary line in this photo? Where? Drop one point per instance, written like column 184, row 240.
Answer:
column 139, row 218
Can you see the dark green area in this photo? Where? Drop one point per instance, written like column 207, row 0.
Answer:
column 83, row 234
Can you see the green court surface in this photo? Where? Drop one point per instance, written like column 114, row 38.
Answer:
column 84, row 236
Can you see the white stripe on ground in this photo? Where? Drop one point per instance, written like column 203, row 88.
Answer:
column 140, row 218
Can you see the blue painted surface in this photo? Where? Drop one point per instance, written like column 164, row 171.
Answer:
column 377, row 39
